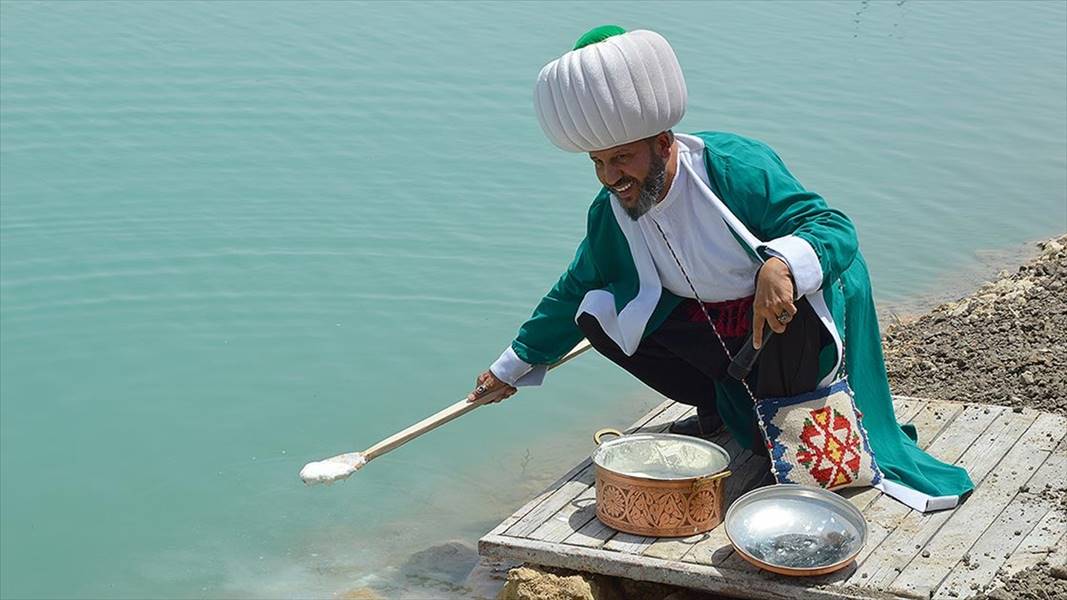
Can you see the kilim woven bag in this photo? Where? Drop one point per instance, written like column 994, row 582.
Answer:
column 818, row 439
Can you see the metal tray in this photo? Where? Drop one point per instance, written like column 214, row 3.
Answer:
column 796, row 530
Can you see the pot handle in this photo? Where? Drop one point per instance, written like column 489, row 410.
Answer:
column 599, row 435
column 708, row 480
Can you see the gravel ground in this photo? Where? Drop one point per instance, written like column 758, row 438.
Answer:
column 1005, row 344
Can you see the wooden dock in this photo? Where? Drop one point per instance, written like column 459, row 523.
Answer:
column 1009, row 522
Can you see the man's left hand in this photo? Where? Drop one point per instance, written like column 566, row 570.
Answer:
column 773, row 304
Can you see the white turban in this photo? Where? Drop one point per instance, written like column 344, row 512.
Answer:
column 619, row 90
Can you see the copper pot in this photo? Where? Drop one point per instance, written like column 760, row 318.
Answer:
column 659, row 484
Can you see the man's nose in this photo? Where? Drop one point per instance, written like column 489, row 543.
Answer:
column 612, row 175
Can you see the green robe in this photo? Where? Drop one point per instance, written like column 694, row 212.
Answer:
column 610, row 277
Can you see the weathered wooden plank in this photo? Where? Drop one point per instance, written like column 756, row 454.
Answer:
column 969, row 424
column 628, row 543
column 647, row 568
column 967, row 523
column 933, row 418
column 978, row 440
column 905, row 409
column 673, row 548
column 526, row 508
column 586, row 476
column 568, row 519
column 592, row 535
column 712, row 549
column 559, row 498
column 1049, row 534
column 1023, row 511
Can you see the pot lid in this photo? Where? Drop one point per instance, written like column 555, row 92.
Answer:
column 796, row 527
column 661, row 456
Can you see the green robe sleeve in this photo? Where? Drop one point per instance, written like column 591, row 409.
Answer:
column 773, row 204
column 551, row 331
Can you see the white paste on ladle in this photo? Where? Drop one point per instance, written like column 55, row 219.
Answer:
column 332, row 469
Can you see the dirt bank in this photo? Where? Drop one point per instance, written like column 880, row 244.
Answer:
column 1004, row 344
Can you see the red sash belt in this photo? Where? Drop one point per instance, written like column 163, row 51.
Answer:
column 732, row 318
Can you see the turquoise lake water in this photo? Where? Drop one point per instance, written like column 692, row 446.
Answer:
column 240, row 236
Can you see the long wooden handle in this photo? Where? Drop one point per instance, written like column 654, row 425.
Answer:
column 445, row 415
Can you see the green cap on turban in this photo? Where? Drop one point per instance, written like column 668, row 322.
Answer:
column 598, row 34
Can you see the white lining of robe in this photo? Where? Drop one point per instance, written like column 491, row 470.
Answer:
column 626, row 327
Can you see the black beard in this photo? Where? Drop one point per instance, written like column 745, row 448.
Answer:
column 650, row 190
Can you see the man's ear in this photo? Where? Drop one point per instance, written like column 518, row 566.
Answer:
column 663, row 144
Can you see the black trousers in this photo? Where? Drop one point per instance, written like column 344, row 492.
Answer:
column 682, row 359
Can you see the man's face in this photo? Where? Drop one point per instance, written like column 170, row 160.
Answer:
column 634, row 172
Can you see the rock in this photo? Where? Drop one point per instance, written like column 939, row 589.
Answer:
column 525, row 583
column 487, row 578
column 1000, row 594
column 450, row 562
column 534, row 582
column 1058, row 571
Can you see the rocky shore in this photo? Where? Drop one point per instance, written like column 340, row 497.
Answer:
column 1004, row 344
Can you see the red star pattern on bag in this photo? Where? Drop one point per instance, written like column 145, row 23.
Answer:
column 831, row 453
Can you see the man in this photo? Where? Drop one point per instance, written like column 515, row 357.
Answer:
column 695, row 243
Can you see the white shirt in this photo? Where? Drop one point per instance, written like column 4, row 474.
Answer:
column 718, row 266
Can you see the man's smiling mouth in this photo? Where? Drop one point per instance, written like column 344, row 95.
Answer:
column 623, row 189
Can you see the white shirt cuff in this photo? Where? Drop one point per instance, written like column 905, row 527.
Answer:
column 512, row 370
column 802, row 261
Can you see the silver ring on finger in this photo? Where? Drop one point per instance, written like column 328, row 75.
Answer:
column 784, row 318
column 481, row 389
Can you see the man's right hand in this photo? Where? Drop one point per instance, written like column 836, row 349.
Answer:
column 489, row 389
